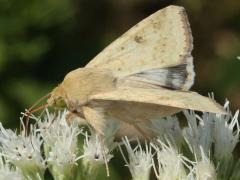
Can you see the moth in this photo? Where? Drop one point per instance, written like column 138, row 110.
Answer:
column 145, row 74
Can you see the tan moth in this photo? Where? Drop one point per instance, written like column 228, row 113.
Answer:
column 143, row 75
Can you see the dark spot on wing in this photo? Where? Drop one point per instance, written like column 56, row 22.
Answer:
column 173, row 77
column 138, row 39
column 176, row 76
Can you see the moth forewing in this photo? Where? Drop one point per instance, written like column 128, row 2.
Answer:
column 162, row 97
column 161, row 40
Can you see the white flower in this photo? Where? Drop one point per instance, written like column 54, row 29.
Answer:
column 53, row 126
column 199, row 132
column 95, row 154
column 23, row 151
column 8, row 172
column 140, row 160
column 226, row 133
column 97, row 149
column 204, row 169
column 219, row 130
column 64, row 151
column 93, row 149
column 170, row 164
column 60, row 143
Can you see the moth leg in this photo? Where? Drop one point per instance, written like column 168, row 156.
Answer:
column 72, row 116
column 96, row 119
column 104, row 155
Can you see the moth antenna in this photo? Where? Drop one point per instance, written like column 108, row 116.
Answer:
column 38, row 108
column 39, row 100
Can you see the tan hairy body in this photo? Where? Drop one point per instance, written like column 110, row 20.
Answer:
column 145, row 74
column 91, row 91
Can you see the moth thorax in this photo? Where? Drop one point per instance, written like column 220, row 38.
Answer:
column 81, row 83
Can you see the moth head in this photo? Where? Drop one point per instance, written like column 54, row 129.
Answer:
column 57, row 97
column 74, row 89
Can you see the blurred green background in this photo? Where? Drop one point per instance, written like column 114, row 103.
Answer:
column 40, row 41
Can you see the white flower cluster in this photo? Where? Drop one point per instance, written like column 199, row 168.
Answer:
column 51, row 143
column 60, row 143
column 8, row 172
column 212, row 130
column 203, row 150
column 23, row 151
